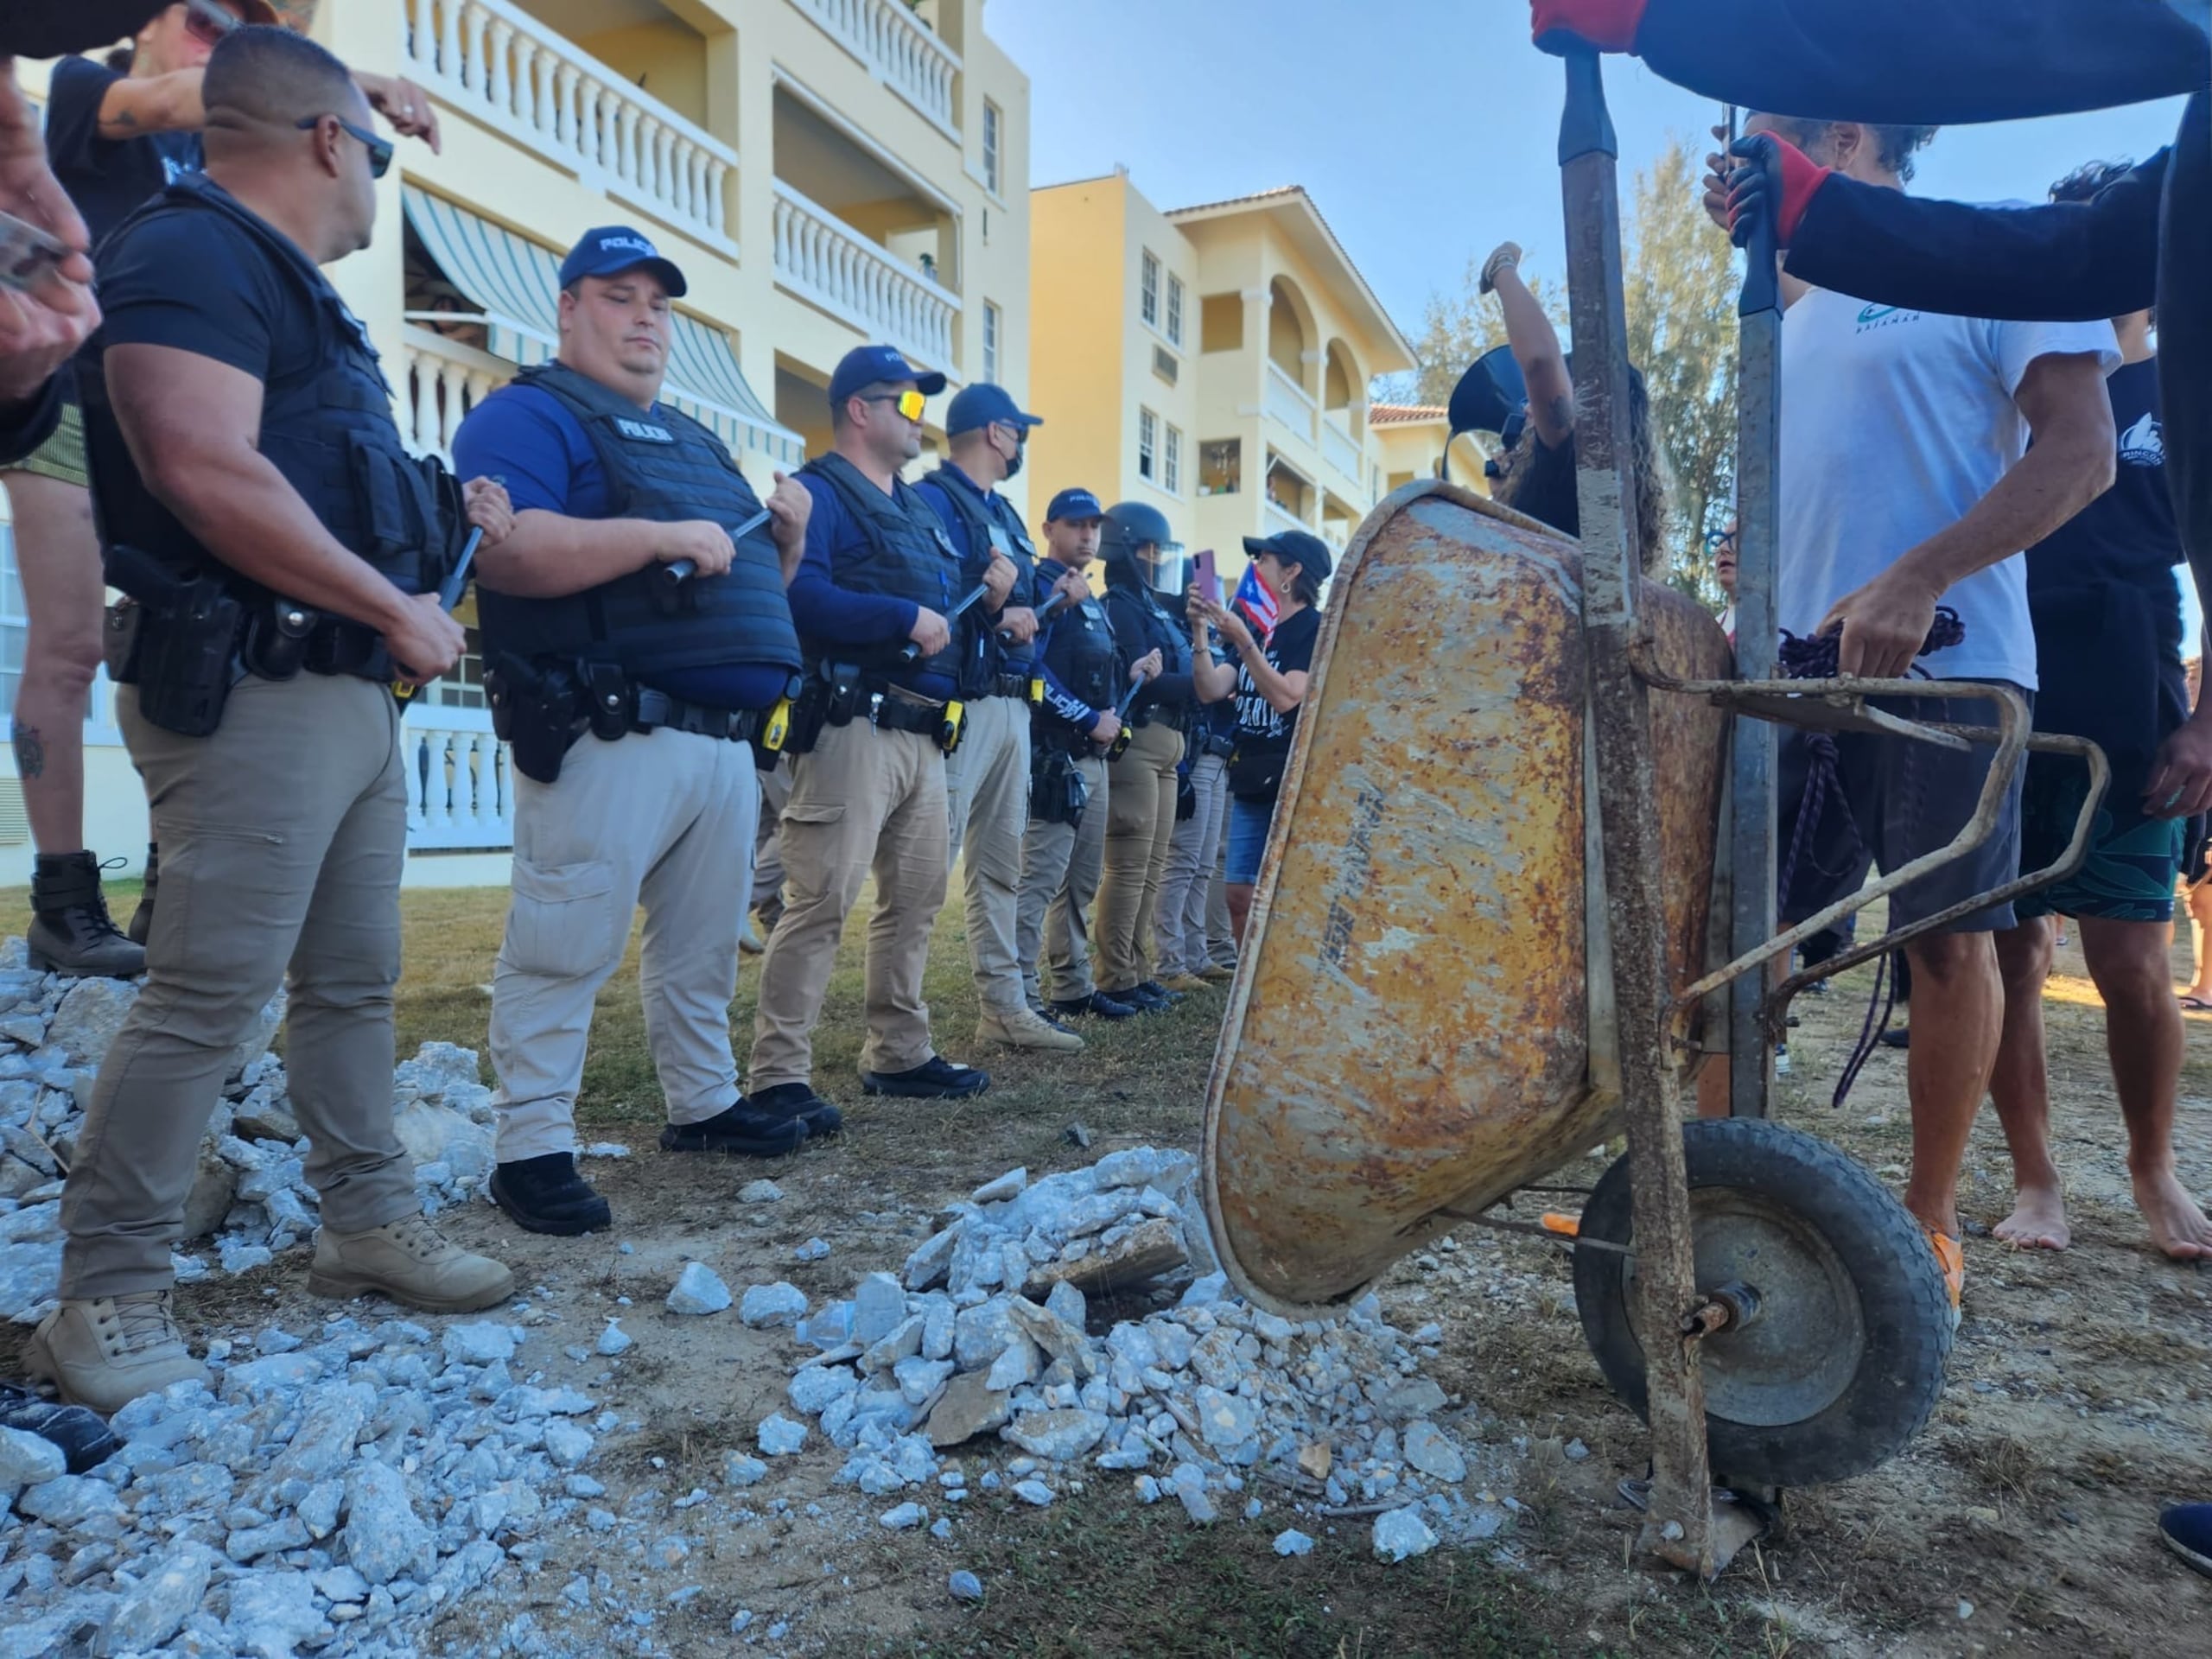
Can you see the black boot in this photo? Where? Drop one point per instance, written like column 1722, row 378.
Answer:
column 142, row 920
column 546, row 1195
column 84, row 1440
column 71, row 933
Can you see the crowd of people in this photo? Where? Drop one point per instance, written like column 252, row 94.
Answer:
column 723, row 706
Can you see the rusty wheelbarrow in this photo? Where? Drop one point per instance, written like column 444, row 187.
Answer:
column 1494, row 915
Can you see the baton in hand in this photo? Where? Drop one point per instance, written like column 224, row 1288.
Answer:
column 450, row 592
column 1043, row 611
column 677, row 572
column 912, row 652
column 1114, row 750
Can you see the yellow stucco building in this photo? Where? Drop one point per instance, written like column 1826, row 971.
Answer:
column 1410, row 440
column 826, row 172
column 1212, row 361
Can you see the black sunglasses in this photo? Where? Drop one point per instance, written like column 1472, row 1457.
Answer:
column 379, row 149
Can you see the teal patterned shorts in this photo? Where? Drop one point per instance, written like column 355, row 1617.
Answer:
column 2129, row 875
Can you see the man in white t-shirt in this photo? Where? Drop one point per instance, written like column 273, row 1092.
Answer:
column 1907, row 478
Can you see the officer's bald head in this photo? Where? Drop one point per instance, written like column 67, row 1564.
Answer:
column 263, row 81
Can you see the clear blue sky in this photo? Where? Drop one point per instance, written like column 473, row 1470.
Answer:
column 1424, row 129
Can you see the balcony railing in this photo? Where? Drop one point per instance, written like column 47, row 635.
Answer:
column 1341, row 453
column 1289, row 403
column 460, row 783
column 493, row 61
column 822, row 259
column 907, row 57
column 1281, row 518
column 445, row 380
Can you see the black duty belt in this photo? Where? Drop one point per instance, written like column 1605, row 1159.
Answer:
column 1007, row 685
column 896, row 714
column 656, row 711
column 1223, row 747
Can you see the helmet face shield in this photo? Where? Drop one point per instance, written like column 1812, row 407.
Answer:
column 1166, row 568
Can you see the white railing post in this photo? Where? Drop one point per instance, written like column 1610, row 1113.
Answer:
column 899, row 50
column 490, row 59
column 820, row 257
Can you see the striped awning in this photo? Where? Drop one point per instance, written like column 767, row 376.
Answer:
column 516, row 283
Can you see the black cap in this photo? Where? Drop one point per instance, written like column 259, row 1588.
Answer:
column 1307, row 551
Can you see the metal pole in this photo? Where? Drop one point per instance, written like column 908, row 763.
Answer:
column 1751, row 848
column 1678, row 1524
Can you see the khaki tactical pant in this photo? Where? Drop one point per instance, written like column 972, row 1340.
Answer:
column 1061, row 867
column 865, row 800
column 768, row 844
column 1140, row 828
column 1221, row 932
column 665, row 817
column 282, row 835
column 986, row 787
column 1191, row 855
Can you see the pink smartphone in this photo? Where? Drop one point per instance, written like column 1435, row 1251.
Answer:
column 1209, row 577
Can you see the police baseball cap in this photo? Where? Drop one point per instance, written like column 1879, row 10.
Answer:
column 1073, row 504
column 984, row 405
column 870, row 365
column 1310, row 553
column 613, row 248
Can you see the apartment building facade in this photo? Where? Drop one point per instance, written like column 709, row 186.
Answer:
column 826, row 172
column 1212, row 361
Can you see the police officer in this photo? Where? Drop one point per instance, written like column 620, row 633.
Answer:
column 621, row 607
column 1186, row 963
column 868, row 790
column 1063, row 849
column 1145, row 569
column 282, row 552
column 987, row 776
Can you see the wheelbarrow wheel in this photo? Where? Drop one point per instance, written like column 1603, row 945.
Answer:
column 1842, row 1360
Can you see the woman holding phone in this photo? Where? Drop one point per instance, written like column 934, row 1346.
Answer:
column 1270, row 684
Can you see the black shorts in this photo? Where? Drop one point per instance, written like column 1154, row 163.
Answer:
column 1891, row 801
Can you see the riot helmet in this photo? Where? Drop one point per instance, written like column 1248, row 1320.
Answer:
column 1141, row 550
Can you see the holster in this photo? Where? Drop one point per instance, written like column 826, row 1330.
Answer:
column 186, row 657
column 1058, row 793
column 1187, row 798
column 537, row 711
column 830, row 694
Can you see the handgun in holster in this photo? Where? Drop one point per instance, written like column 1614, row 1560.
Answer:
column 534, row 711
column 181, row 648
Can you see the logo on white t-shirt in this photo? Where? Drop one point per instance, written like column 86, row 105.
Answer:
column 2143, row 444
column 1883, row 316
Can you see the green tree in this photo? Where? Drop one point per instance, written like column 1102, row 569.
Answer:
column 1679, row 291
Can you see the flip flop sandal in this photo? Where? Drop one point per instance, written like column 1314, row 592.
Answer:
column 1952, row 1259
column 2196, row 1005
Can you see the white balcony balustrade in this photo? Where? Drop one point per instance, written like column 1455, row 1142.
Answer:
column 445, row 380
column 1338, row 449
column 898, row 50
column 1281, row 518
column 460, row 782
column 497, row 63
column 821, row 258
column 1290, row 402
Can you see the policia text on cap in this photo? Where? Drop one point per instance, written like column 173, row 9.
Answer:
column 868, row 784
column 247, row 469
column 640, row 600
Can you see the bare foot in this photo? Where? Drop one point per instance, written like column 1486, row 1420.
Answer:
column 2177, row 1226
column 2037, row 1220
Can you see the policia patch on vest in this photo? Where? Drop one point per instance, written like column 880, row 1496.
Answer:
column 643, row 431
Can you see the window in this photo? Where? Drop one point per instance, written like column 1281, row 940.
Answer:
column 1175, row 310
column 1147, row 444
column 1170, row 463
column 1148, row 291
column 992, row 123
column 1221, row 466
column 15, row 618
column 990, row 343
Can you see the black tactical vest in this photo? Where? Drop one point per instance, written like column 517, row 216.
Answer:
column 1080, row 650
column 992, row 524
column 1141, row 625
column 329, row 430
column 902, row 551
column 664, row 467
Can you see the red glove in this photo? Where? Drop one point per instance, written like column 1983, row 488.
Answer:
column 1750, row 188
column 1608, row 25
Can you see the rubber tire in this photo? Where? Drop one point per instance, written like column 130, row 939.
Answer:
column 1904, row 1308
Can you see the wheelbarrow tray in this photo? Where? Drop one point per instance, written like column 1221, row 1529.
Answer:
column 1408, row 1037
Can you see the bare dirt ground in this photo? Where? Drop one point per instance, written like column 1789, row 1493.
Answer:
column 2021, row 1523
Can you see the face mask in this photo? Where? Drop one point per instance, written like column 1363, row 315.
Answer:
column 1013, row 462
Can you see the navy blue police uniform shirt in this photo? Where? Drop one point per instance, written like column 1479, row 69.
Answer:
column 199, row 282
column 526, row 437
column 971, row 558
column 2101, row 591
column 833, row 619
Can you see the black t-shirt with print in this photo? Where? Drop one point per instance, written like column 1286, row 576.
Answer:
column 1289, row 651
